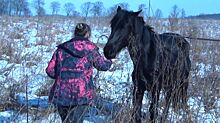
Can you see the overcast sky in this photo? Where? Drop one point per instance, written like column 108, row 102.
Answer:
column 191, row 7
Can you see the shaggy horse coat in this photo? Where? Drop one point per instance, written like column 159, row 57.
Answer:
column 161, row 62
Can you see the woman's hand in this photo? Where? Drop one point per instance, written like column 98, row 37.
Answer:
column 113, row 67
column 114, row 61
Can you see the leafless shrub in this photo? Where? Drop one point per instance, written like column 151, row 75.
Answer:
column 44, row 90
column 6, row 47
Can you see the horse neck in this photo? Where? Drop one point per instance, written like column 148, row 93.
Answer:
column 133, row 48
column 143, row 47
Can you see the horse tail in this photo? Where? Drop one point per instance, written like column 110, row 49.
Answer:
column 180, row 96
column 180, row 86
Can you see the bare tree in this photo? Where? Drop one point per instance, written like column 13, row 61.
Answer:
column 27, row 12
column 69, row 8
column 175, row 12
column 86, row 8
column 143, row 8
column 123, row 5
column 55, row 6
column 183, row 13
column 11, row 7
column 173, row 18
column 3, row 7
column 75, row 13
column 7, row 7
column 112, row 10
column 25, row 8
column 158, row 13
column 97, row 8
column 20, row 7
column 14, row 7
column 39, row 7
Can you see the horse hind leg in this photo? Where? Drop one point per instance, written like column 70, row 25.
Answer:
column 168, row 100
column 185, row 107
column 137, row 103
column 154, row 104
column 184, row 93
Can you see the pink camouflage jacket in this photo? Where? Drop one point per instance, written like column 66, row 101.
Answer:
column 71, row 67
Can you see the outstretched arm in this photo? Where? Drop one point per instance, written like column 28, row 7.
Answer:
column 100, row 62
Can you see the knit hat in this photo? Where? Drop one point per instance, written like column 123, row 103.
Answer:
column 81, row 29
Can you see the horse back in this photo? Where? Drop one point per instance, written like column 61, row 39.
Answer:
column 174, row 43
column 177, row 48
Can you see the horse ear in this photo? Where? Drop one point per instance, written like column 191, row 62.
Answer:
column 119, row 8
column 137, row 13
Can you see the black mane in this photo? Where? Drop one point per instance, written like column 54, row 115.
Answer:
column 150, row 28
column 118, row 20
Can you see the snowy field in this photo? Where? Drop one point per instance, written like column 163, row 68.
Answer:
column 27, row 45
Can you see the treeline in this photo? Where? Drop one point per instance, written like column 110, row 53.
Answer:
column 37, row 8
column 207, row 16
column 92, row 9
column 14, row 8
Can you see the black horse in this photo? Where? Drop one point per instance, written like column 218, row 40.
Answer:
column 161, row 62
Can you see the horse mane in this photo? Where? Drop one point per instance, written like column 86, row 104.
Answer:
column 113, row 20
column 150, row 28
column 141, row 29
column 141, row 19
column 116, row 19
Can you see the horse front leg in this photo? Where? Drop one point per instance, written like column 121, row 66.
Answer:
column 154, row 104
column 138, row 94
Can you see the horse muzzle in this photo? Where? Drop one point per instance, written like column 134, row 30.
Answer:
column 109, row 52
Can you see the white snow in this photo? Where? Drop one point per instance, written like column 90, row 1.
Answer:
column 115, row 84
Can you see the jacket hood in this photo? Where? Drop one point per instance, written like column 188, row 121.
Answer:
column 78, row 46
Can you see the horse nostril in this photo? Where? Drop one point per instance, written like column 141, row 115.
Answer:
column 108, row 51
column 107, row 48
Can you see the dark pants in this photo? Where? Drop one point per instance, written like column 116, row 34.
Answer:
column 72, row 114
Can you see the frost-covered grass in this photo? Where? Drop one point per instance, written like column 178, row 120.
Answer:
column 27, row 45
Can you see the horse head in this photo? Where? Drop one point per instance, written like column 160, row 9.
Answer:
column 121, row 28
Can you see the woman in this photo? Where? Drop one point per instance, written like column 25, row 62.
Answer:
column 71, row 67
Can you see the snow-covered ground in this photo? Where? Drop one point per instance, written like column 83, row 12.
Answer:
column 27, row 46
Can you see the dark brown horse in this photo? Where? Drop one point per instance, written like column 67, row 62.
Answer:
column 161, row 62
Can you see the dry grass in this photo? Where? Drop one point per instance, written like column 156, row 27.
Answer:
column 204, row 88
